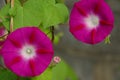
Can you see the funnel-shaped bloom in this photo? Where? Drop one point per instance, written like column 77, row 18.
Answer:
column 91, row 21
column 27, row 51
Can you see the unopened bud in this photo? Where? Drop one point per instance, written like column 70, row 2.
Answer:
column 55, row 61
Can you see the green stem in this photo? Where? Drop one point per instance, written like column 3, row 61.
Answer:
column 22, row 2
column 52, row 31
column 11, row 20
column 2, row 66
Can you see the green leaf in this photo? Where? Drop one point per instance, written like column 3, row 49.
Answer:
column 24, row 78
column 35, row 13
column 30, row 14
column 58, row 13
column 26, row 15
column 60, row 1
column 12, row 11
column 71, row 74
column 60, row 71
column 47, row 75
column 4, row 15
column 63, row 72
column 7, row 75
column 48, row 1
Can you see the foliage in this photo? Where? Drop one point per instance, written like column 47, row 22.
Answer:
column 47, row 75
column 6, row 74
column 43, row 13
column 63, row 71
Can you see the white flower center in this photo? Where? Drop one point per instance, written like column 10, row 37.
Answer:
column 28, row 52
column 92, row 21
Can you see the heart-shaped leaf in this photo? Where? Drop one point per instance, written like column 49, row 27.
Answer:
column 47, row 75
column 62, row 71
column 34, row 13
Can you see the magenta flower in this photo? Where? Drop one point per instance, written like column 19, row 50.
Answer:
column 91, row 21
column 27, row 51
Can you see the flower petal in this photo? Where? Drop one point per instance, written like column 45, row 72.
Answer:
column 91, row 21
column 19, row 51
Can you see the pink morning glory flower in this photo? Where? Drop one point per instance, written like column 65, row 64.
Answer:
column 27, row 51
column 91, row 21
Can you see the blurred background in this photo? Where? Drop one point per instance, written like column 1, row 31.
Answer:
column 97, row 62
column 91, row 62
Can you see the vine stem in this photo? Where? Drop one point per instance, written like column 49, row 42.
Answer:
column 4, row 36
column 7, row 1
column 11, row 20
column 2, row 66
column 52, row 32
